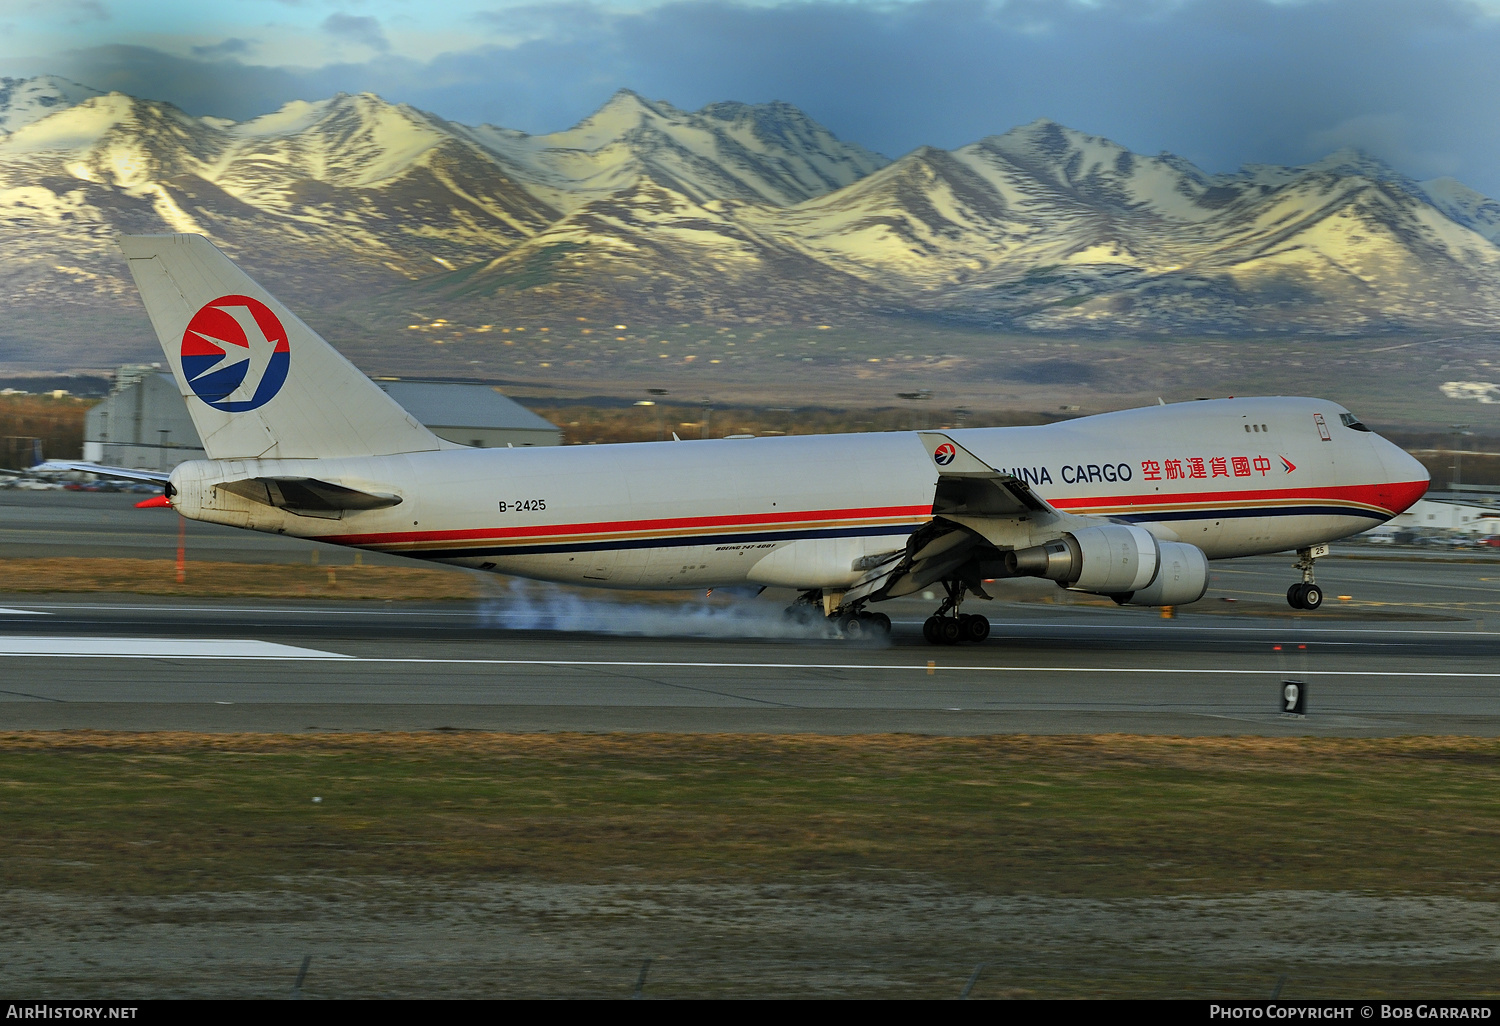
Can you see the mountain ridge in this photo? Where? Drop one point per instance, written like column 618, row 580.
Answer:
column 735, row 213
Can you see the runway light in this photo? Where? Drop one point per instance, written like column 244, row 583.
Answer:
column 1345, row 598
column 931, row 667
column 1275, row 648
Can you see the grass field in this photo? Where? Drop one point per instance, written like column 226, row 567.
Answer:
column 1096, row 817
column 548, row 865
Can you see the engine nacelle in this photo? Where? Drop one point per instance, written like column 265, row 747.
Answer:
column 1111, row 559
column 1181, row 577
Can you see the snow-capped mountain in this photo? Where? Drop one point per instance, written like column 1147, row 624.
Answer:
column 24, row 100
column 1047, row 228
column 380, row 213
column 772, row 153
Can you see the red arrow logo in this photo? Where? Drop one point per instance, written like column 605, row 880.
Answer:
column 1288, row 464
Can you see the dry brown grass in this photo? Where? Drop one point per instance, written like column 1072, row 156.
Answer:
column 239, row 580
column 1096, row 816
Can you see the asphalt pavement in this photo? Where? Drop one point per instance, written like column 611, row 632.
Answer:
column 1409, row 648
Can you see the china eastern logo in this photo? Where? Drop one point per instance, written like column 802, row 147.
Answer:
column 235, row 354
column 944, row 454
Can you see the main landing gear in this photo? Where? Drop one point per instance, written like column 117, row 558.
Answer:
column 1306, row 594
column 948, row 626
column 850, row 623
column 860, row 624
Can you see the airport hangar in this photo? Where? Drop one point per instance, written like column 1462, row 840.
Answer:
column 144, row 424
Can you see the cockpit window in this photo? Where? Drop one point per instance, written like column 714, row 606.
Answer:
column 1351, row 421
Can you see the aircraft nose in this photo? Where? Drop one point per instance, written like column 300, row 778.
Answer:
column 1406, row 480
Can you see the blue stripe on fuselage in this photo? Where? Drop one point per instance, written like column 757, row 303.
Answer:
column 859, row 532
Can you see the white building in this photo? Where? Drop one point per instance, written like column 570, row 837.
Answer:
column 143, row 425
column 1433, row 515
column 476, row 415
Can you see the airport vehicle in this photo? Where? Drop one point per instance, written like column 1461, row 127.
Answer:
column 1130, row 504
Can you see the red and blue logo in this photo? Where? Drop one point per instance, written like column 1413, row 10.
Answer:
column 235, row 354
column 945, row 453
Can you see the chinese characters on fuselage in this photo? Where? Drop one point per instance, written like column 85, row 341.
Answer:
column 1191, row 468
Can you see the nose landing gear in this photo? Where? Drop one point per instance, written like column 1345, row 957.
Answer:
column 1306, row 594
column 948, row 626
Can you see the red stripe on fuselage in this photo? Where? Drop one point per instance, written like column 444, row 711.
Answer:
column 628, row 526
column 1393, row 497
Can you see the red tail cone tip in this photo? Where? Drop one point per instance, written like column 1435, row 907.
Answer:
column 155, row 502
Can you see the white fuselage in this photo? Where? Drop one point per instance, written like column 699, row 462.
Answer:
column 1234, row 477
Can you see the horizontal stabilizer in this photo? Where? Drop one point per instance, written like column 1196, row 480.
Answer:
column 306, row 496
column 121, row 473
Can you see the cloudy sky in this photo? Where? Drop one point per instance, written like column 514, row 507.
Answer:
column 1222, row 82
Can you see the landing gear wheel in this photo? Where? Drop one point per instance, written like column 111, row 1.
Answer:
column 881, row 623
column 975, row 628
column 1294, row 596
column 853, row 626
column 1312, row 596
column 950, row 631
column 930, row 630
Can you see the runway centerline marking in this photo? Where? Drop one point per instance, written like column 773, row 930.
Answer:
column 65, row 647
column 261, row 651
column 22, row 612
column 915, row 667
column 1270, row 627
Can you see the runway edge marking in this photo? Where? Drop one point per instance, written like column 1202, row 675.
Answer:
column 315, row 656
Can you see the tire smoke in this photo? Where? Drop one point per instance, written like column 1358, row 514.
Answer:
column 522, row 605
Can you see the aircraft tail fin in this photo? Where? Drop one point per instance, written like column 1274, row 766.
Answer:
column 258, row 382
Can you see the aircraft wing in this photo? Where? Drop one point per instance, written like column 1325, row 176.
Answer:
column 979, row 514
column 122, row 473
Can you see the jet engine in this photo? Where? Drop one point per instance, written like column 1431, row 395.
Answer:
column 1109, row 559
column 1119, row 560
column 1181, row 577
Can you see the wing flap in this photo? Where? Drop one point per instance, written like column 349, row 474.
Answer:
column 978, row 514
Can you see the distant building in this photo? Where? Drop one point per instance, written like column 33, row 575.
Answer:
column 1448, row 516
column 476, row 415
column 144, row 424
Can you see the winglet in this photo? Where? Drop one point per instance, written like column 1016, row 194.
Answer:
column 953, row 460
column 966, row 483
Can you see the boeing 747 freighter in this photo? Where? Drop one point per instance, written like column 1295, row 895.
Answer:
column 1131, row 505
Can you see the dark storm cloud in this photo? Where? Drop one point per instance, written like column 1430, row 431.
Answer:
column 1222, row 82
column 231, row 47
column 363, row 30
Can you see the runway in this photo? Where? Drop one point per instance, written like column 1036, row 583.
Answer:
column 1406, row 644
column 238, row 666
